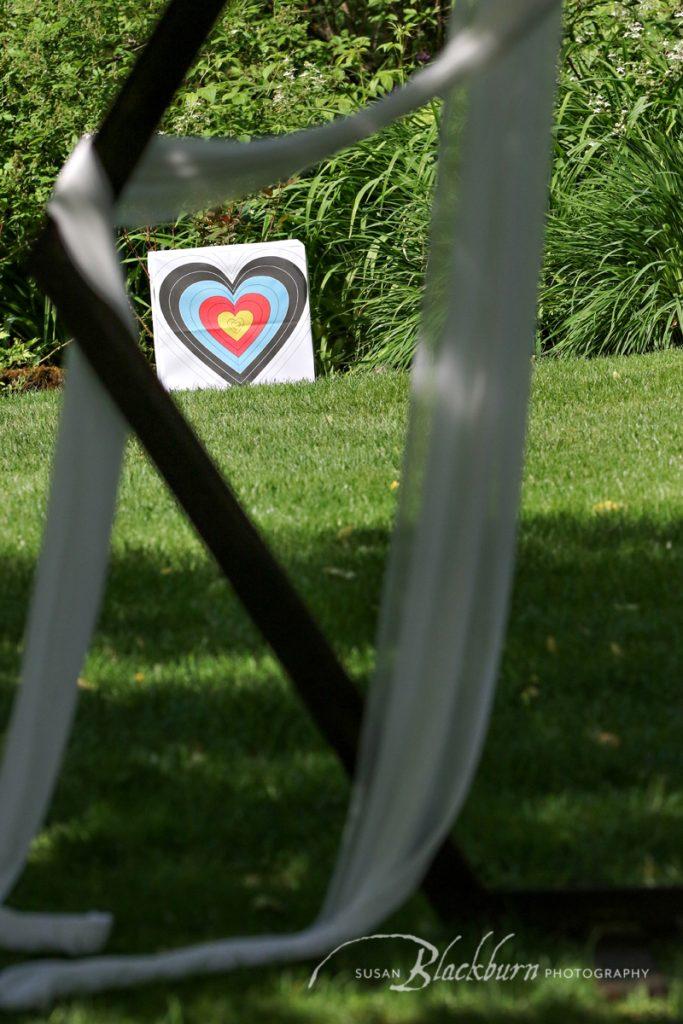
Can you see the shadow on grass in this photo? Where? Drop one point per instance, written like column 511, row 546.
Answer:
column 164, row 611
column 208, row 806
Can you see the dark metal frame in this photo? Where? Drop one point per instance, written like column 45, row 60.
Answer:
column 328, row 693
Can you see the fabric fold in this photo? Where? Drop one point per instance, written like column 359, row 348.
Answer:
column 73, row 934
column 69, row 580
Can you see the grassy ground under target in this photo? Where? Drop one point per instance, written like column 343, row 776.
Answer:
column 197, row 800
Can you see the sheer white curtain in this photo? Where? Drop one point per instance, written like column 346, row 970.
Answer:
column 448, row 580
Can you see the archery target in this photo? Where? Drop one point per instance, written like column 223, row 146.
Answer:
column 231, row 314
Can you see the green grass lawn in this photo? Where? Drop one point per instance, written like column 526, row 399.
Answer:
column 197, row 800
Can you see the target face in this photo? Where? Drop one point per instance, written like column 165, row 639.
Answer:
column 230, row 315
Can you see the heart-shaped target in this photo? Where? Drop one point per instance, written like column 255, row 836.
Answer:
column 234, row 327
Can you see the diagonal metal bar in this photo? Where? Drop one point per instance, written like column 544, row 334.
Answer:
column 274, row 604
column 261, row 584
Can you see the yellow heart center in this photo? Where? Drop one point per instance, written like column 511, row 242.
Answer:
column 235, row 325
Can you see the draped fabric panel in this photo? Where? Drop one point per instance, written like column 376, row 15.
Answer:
column 448, row 580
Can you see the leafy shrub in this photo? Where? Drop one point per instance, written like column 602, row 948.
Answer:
column 262, row 71
column 60, row 64
column 411, row 32
column 612, row 269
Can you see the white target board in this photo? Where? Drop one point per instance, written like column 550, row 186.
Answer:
column 231, row 314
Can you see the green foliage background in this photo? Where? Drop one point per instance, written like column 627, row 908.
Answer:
column 613, row 273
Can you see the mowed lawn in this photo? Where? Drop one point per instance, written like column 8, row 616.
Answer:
column 197, row 801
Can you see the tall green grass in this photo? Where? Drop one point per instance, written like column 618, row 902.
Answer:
column 614, row 265
column 614, row 247
column 365, row 215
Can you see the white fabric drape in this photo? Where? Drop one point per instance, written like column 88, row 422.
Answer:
column 448, row 580
column 68, row 585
